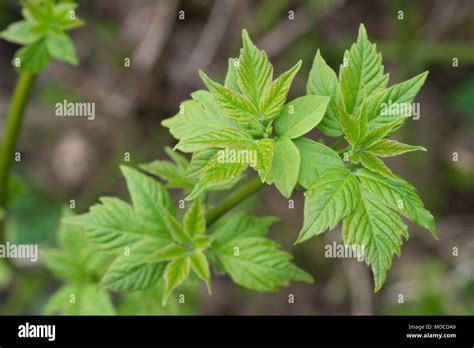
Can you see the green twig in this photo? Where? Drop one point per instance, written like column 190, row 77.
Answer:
column 10, row 136
column 246, row 190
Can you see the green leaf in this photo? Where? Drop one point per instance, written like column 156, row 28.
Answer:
column 257, row 263
column 20, row 33
column 333, row 196
column 149, row 197
column 323, row 81
column 200, row 266
column 198, row 116
column 180, row 160
column 377, row 232
column 222, row 138
column 167, row 253
column 202, row 242
column 285, row 166
column 381, row 132
column 175, row 273
column 175, row 229
column 254, row 71
column 231, row 79
column 216, row 173
column 399, row 96
column 398, row 195
column 300, row 116
column 199, row 160
column 42, row 34
column 387, row 148
column 316, row 158
column 375, row 164
column 274, row 97
column 115, row 224
column 234, row 105
column 129, row 273
column 170, row 172
column 240, row 225
column 33, row 58
column 351, row 127
column 87, row 301
column 265, row 148
column 194, row 220
column 62, row 48
column 62, row 265
column 363, row 73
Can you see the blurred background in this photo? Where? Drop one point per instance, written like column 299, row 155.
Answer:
column 74, row 158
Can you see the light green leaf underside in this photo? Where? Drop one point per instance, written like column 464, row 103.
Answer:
column 398, row 195
column 256, row 263
column 333, row 196
column 376, row 231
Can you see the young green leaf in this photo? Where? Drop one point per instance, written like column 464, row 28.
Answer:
column 61, row 47
column 394, row 102
column 323, row 81
column 167, row 253
column 265, row 149
column 198, row 116
column 254, row 71
column 20, row 33
column 33, row 58
column 387, row 148
column 316, row 158
column 274, row 97
column 149, row 197
column 87, row 301
column 375, row 164
column 199, row 160
column 398, row 195
column 362, row 72
column 215, row 173
column 222, row 138
column 300, row 116
column 256, row 263
column 377, row 232
column 43, row 35
column 170, row 172
column 200, row 266
column 333, row 196
column 240, row 225
column 285, row 166
column 128, row 272
column 175, row 273
column 194, row 220
column 231, row 78
column 234, row 105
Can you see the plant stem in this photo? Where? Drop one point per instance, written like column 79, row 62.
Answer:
column 337, row 142
column 12, row 129
column 344, row 150
column 246, row 190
